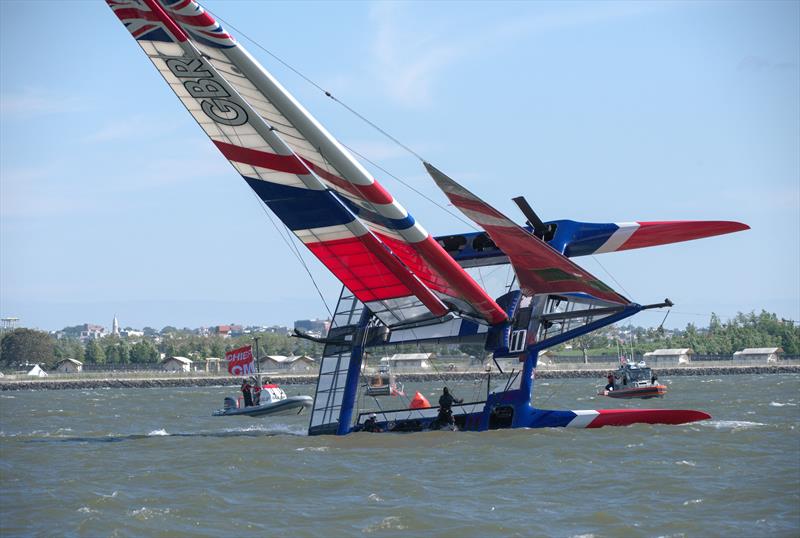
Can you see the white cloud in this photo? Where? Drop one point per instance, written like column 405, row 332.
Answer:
column 408, row 59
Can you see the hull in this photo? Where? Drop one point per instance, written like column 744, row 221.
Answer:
column 654, row 391
column 294, row 405
column 494, row 415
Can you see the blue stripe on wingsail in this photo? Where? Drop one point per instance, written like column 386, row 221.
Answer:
column 301, row 209
column 376, row 218
column 156, row 34
column 580, row 238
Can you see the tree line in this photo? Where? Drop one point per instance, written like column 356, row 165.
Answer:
column 27, row 346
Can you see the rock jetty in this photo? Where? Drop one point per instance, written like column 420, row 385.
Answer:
column 160, row 380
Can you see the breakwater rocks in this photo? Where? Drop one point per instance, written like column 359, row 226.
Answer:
column 163, row 381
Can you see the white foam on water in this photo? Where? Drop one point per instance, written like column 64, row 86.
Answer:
column 7, row 397
column 692, row 501
column 374, row 497
column 391, row 522
column 145, row 513
column 313, row 449
column 731, row 424
column 87, row 510
column 632, row 445
column 685, row 462
column 779, row 404
column 158, row 433
column 589, row 535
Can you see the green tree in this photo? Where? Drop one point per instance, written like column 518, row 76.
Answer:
column 143, row 352
column 94, row 353
column 22, row 346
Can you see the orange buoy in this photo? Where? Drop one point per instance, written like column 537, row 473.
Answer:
column 419, row 401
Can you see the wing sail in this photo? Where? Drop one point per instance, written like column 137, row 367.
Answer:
column 353, row 225
column 539, row 268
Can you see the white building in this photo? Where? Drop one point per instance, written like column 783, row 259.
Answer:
column 270, row 363
column 758, row 354
column 69, row 366
column 176, row 364
column 408, row 361
column 664, row 357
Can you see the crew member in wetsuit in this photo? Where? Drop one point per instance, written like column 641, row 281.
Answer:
column 248, row 396
column 446, row 401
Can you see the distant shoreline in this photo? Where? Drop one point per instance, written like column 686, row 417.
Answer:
column 159, row 380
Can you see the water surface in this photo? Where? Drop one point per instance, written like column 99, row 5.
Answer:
column 153, row 462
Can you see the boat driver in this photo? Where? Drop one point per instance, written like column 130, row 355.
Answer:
column 248, row 396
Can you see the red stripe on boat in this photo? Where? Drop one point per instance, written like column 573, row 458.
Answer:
column 626, row 417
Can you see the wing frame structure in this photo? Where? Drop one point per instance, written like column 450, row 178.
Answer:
column 306, row 177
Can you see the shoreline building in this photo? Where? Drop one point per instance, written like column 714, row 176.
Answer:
column 664, row 357
column 758, row 354
column 69, row 366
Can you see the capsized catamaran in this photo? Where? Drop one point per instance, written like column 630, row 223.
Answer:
column 400, row 285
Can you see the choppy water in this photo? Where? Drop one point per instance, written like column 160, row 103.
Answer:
column 153, row 462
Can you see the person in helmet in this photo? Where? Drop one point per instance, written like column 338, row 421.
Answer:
column 371, row 424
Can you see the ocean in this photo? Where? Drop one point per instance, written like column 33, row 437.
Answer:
column 154, row 462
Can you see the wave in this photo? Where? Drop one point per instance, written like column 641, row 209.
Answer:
column 778, row 404
column 731, row 424
column 158, row 433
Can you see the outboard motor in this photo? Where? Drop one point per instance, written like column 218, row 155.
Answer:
column 230, row 403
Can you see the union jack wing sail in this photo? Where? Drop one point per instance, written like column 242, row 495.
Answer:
column 314, row 185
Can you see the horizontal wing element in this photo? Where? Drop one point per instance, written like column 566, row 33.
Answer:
column 584, row 238
column 539, row 268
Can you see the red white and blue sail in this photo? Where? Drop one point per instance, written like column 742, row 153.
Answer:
column 540, row 269
column 313, row 184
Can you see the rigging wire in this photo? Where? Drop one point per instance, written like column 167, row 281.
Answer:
column 294, row 250
column 612, row 277
column 323, row 90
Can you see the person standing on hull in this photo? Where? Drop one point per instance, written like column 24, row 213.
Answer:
column 446, row 401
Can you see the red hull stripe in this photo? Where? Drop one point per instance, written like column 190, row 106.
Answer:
column 174, row 29
column 626, row 417
column 660, row 233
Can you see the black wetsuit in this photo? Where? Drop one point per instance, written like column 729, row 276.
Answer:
column 446, row 402
column 248, row 396
column 371, row 425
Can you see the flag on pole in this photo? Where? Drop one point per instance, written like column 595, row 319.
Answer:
column 240, row 361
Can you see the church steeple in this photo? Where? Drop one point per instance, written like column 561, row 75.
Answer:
column 115, row 326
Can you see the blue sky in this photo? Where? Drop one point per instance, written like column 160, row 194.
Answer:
column 112, row 200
